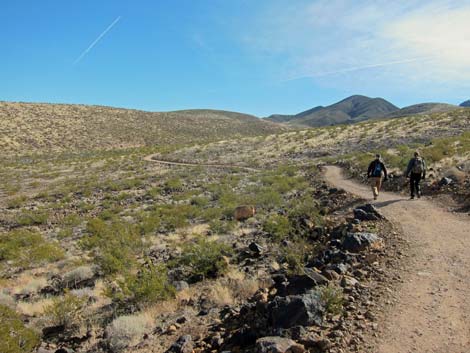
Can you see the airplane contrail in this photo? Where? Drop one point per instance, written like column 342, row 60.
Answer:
column 357, row 68
column 87, row 50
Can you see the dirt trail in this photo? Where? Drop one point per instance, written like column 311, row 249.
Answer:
column 152, row 158
column 433, row 310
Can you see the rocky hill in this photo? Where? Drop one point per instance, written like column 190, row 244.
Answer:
column 352, row 109
column 422, row 108
column 33, row 128
column 465, row 104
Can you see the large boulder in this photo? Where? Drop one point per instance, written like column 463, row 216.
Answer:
column 356, row 242
column 295, row 310
column 278, row 345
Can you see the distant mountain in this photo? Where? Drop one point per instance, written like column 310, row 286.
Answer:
column 423, row 108
column 465, row 104
column 280, row 118
column 41, row 128
column 352, row 109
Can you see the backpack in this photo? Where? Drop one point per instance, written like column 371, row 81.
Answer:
column 377, row 171
column 418, row 166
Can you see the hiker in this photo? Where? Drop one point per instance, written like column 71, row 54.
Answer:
column 416, row 171
column 375, row 172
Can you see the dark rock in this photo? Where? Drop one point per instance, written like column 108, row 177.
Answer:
column 445, row 181
column 305, row 310
column 244, row 337
column 356, row 242
column 256, row 248
column 52, row 331
column 278, row 345
column 367, row 213
column 301, row 284
column 184, row 344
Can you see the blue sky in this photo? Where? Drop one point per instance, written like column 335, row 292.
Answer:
column 259, row 57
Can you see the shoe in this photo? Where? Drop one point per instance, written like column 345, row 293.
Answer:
column 375, row 197
column 419, row 195
column 412, row 197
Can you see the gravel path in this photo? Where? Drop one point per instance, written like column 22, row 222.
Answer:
column 433, row 310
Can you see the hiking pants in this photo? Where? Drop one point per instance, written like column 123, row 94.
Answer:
column 415, row 179
column 376, row 184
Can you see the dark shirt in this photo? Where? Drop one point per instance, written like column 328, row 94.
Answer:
column 372, row 166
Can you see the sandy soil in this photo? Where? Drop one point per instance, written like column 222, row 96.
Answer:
column 433, row 309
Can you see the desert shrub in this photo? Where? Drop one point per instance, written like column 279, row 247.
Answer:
column 149, row 285
column 27, row 248
column 7, row 300
column 176, row 216
column 124, row 330
column 16, row 202
column 204, row 258
column 66, row 310
column 266, row 198
column 277, row 226
column 15, row 337
column 115, row 244
column 221, row 227
column 332, row 297
column 81, row 273
column 297, row 253
column 31, row 218
column 65, row 233
column 71, row 220
column 149, row 223
column 173, row 185
column 199, row 201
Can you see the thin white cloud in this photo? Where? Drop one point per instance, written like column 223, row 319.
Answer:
column 363, row 67
column 412, row 42
column 87, row 50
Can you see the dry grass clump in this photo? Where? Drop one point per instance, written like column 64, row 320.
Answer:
column 127, row 330
column 77, row 275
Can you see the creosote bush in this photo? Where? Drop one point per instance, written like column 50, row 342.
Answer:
column 148, row 286
column 66, row 311
column 114, row 244
column 204, row 258
column 28, row 248
column 14, row 336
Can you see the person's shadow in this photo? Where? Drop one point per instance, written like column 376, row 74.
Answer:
column 386, row 203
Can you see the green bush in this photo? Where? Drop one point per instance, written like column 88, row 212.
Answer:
column 66, row 310
column 204, row 258
column 27, row 248
column 16, row 202
column 332, row 297
column 115, row 244
column 173, row 185
column 148, row 286
column 221, row 227
column 31, row 218
column 14, row 336
column 277, row 226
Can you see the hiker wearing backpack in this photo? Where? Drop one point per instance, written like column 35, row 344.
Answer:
column 375, row 172
column 416, row 171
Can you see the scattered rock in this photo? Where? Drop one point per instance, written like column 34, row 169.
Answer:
column 184, row 344
column 367, row 212
column 305, row 310
column 278, row 345
column 256, row 248
column 356, row 242
column 445, row 181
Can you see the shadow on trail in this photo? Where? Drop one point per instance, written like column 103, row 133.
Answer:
column 387, row 203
